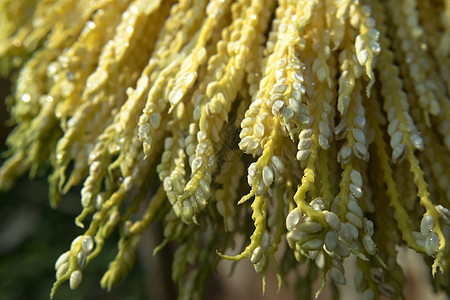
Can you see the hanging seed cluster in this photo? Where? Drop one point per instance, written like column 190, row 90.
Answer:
column 337, row 113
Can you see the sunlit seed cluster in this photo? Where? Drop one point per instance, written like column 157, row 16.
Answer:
column 336, row 111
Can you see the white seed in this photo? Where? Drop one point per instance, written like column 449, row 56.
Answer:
column 247, row 122
column 387, row 290
column 260, row 189
column 87, row 244
column 278, row 164
column 201, row 136
column 398, row 153
column 312, row 245
column 356, row 178
column 196, row 164
column 332, row 220
column 376, row 275
column 288, row 114
column 265, row 241
column 348, row 231
column 143, row 131
column 362, row 57
column 252, row 169
column 337, row 263
column 313, row 254
column 368, row 295
column 391, row 113
column 368, row 226
column 295, row 235
column 304, row 144
column 353, row 206
column 303, row 155
column 243, row 144
column 359, row 43
column 62, row 259
column 76, row 241
column 295, row 105
column 310, row 227
column 293, row 219
column 393, row 127
column 259, row 130
column 369, row 244
column 331, row 239
column 278, row 88
column 259, row 267
column 75, row 279
column 426, row 225
column 323, row 142
column 81, row 259
column 281, row 63
column 359, row 121
column 252, row 146
column 62, row 270
column 257, row 255
column 444, row 212
column 277, row 106
column 359, row 136
column 305, row 133
column 261, row 118
column 275, row 97
column 324, row 128
column 344, row 154
column 155, row 120
column 396, row 138
column 432, row 243
column 361, row 151
column 320, row 260
column 341, row 250
column 267, row 175
column 337, row 275
column 417, row 142
column 356, row 190
column 354, row 219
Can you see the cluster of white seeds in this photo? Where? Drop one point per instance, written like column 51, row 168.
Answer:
column 260, row 255
column 62, row 264
column 429, row 239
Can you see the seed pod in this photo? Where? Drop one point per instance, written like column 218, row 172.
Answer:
column 332, row 220
column 387, row 290
column 369, row 244
column 267, row 175
column 293, row 219
column 310, row 227
column 259, row 267
column 81, row 259
column 341, row 250
column 87, row 244
column 337, row 276
column 75, row 279
column 368, row 295
column 62, row 259
column 312, row 245
column 355, row 208
column 265, row 241
column 432, row 243
column 426, row 225
column 331, row 239
column 256, row 256
column 320, row 260
column 62, row 270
